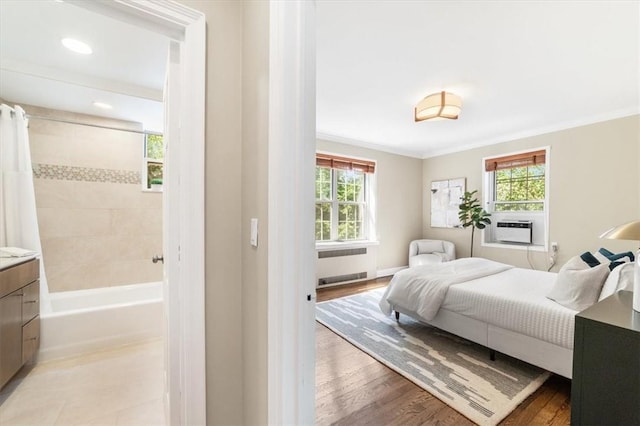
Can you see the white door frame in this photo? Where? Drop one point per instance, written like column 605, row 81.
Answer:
column 291, row 327
column 291, row 261
column 187, row 313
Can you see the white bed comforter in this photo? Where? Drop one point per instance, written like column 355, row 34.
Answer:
column 422, row 289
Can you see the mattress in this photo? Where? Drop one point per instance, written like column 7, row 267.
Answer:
column 515, row 300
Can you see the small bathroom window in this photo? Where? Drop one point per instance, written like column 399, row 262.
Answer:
column 152, row 170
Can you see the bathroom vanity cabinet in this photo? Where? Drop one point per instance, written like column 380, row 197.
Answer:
column 19, row 314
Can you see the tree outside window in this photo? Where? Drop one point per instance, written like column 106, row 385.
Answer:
column 350, row 194
column 520, row 188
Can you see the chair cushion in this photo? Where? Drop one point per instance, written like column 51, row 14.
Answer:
column 430, row 246
column 424, row 259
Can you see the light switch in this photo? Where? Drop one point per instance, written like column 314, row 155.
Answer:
column 254, row 232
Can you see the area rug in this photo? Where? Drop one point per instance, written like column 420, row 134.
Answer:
column 455, row 370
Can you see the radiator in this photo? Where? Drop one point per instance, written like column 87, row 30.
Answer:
column 345, row 265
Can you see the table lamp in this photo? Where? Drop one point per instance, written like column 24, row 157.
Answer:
column 629, row 231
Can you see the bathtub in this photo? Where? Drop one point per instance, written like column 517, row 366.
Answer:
column 89, row 320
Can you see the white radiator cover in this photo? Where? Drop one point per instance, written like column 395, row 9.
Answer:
column 341, row 264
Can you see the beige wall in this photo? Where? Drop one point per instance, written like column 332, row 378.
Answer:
column 255, row 142
column 223, row 202
column 594, row 185
column 97, row 227
column 399, row 200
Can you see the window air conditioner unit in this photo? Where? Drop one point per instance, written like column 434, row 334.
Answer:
column 514, row 231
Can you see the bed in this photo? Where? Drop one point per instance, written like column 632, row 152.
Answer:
column 496, row 305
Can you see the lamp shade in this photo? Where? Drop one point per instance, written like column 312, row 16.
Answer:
column 438, row 105
column 626, row 231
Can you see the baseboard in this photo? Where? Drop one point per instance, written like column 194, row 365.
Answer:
column 80, row 348
column 389, row 271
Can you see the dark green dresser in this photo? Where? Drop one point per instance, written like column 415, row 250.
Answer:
column 606, row 364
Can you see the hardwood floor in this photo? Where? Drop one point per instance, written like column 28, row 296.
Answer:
column 352, row 388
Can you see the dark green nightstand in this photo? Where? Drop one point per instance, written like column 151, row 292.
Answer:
column 606, row 364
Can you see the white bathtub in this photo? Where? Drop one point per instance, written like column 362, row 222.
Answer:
column 88, row 320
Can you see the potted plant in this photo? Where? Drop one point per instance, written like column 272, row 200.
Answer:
column 471, row 214
column 156, row 184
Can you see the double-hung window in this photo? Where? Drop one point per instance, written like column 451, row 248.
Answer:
column 342, row 198
column 518, row 181
column 516, row 188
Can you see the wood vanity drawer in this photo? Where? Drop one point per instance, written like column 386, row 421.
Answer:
column 10, row 335
column 30, row 301
column 18, row 276
column 30, row 339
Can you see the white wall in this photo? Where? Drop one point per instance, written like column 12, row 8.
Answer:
column 399, row 200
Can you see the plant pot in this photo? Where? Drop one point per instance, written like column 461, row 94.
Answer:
column 156, row 187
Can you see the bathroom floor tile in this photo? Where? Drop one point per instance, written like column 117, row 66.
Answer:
column 119, row 386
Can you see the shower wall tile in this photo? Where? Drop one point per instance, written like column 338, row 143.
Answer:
column 101, row 249
column 118, row 152
column 73, row 222
column 140, row 271
column 73, row 194
column 97, row 227
column 141, row 221
column 68, row 276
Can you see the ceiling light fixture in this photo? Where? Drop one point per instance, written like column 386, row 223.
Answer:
column 102, row 105
column 77, row 46
column 438, row 105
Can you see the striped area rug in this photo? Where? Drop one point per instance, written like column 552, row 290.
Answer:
column 455, row 370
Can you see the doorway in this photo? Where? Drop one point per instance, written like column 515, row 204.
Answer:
column 184, row 254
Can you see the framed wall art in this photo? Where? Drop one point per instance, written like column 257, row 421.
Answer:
column 445, row 199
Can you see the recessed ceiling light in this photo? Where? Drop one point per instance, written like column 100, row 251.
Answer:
column 77, row 46
column 102, row 105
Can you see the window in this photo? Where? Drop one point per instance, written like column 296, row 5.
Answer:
column 152, row 171
column 342, row 185
column 518, row 181
column 516, row 188
column 520, row 189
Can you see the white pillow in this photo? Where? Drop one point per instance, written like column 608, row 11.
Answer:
column 430, row 246
column 621, row 278
column 577, row 286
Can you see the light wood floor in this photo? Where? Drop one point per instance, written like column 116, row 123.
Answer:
column 352, row 388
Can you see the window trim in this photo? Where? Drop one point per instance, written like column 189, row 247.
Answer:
column 487, row 187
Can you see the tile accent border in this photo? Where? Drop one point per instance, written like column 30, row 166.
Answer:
column 85, row 174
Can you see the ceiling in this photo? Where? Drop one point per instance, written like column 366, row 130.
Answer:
column 522, row 68
column 126, row 69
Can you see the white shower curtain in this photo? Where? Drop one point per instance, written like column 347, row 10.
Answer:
column 18, row 217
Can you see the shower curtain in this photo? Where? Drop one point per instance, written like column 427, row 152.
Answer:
column 18, row 217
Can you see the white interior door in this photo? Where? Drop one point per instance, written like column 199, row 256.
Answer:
column 171, row 237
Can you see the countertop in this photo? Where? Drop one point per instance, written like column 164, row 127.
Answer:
column 8, row 262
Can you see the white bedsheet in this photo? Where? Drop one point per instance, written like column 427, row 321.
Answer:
column 515, row 300
column 422, row 289
column 511, row 298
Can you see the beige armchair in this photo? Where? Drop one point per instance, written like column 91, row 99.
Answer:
column 423, row 252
